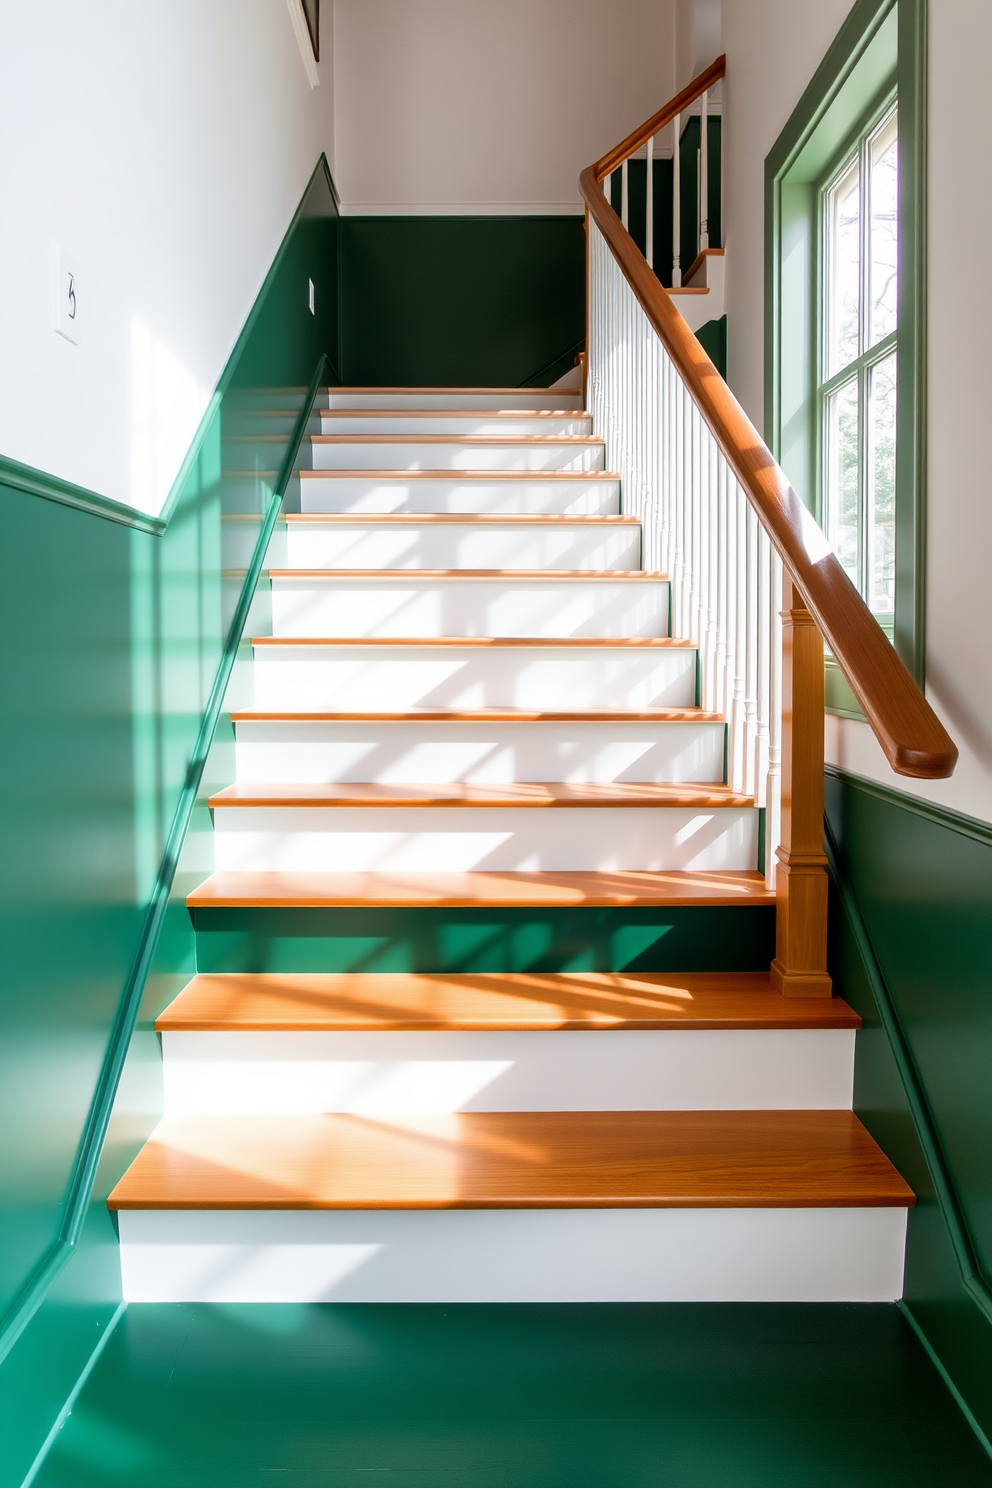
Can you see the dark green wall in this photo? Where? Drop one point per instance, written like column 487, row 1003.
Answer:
column 461, row 301
column 912, row 951
column 117, row 643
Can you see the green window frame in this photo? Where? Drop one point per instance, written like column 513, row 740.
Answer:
column 878, row 56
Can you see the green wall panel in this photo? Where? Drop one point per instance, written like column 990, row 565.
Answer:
column 461, row 301
column 921, row 881
column 470, row 940
column 119, row 636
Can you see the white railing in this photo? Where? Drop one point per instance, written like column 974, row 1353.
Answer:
column 669, row 141
column 698, row 528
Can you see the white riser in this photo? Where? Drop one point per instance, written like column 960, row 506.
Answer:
column 417, row 423
column 458, row 839
column 450, row 545
column 394, row 605
column 444, row 398
column 436, row 753
column 420, row 1073
column 452, row 456
column 352, row 678
column 513, row 1255
column 583, row 496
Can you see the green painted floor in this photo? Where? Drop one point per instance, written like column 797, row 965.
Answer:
column 515, row 1397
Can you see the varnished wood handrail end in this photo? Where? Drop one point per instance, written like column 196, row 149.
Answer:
column 918, row 764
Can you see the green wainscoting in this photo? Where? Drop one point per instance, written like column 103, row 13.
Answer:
column 532, row 1396
column 913, row 953
column 461, row 301
column 120, row 635
column 481, row 940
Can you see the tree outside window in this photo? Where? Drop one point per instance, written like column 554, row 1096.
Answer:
column 857, row 373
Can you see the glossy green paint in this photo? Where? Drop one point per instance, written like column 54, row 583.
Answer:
column 881, row 45
column 913, row 953
column 475, row 940
column 120, row 642
column 515, row 1397
column 461, row 301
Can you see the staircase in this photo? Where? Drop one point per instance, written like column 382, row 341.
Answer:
column 483, row 1008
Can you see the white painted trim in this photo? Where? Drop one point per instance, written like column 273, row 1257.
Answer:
column 303, row 41
column 463, row 209
column 513, row 1255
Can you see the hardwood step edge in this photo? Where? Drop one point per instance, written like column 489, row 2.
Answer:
column 540, row 796
column 365, row 473
column 459, row 519
column 482, row 715
column 538, row 414
column 234, row 1002
column 501, row 1160
column 505, row 575
column 473, row 890
column 672, row 643
column 515, row 440
column 462, row 392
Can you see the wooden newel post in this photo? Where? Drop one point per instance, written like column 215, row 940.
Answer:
column 800, row 965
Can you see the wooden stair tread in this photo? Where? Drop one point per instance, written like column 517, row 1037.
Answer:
column 408, row 575
column 550, row 890
column 364, row 473
column 342, row 391
column 472, row 439
column 485, row 715
column 559, row 1159
column 645, row 642
column 453, row 413
column 460, row 519
column 348, row 1001
column 517, row 794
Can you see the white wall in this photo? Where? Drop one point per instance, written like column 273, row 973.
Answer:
column 773, row 48
column 164, row 147
column 489, row 105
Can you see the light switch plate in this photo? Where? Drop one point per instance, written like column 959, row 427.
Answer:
column 67, row 301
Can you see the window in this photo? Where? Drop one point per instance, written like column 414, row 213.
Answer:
column 845, row 365
column 856, row 394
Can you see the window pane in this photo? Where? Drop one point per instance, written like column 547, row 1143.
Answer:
column 881, row 514
column 883, row 222
column 841, row 435
column 843, row 269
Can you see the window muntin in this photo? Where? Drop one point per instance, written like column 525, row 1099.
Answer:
column 857, row 382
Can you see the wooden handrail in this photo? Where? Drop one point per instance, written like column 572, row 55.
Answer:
column 914, row 740
column 643, row 133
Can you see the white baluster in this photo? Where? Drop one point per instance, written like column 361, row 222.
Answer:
column 704, row 211
column 723, row 569
column 751, row 657
column 773, row 792
column 624, row 194
column 676, row 209
column 714, row 461
column 649, row 200
column 763, row 678
column 738, row 732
